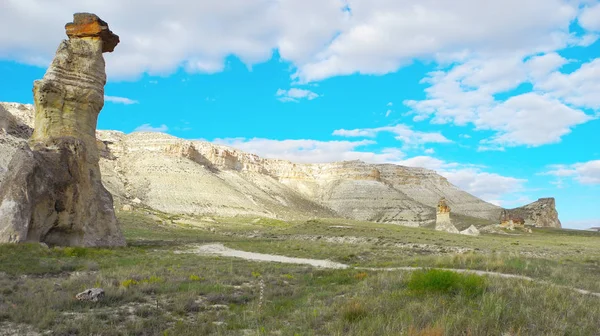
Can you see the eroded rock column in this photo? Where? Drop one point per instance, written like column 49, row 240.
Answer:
column 53, row 191
column 442, row 220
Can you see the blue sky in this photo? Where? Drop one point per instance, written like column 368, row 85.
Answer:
column 502, row 98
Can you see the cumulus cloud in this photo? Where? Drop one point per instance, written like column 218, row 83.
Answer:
column 590, row 17
column 584, row 172
column 120, row 100
column 195, row 35
column 149, row 128
column 295, row 95
column 579, row 88
column 402, row 133
column 321, row 38
column 312, row 151
column 466, row 94
column 490, row 187
column 384, row 35
column 529, row 119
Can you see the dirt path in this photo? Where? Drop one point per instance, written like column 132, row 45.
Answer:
column 221, row 250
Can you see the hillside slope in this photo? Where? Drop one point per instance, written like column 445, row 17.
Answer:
column 194, row 177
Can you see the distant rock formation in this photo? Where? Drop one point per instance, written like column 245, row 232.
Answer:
column 510, row 221
column 541, row 213
column 52, row 191
column 442, row 220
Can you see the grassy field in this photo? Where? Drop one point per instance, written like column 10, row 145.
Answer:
column 153, row 290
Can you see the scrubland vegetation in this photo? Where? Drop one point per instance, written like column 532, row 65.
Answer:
column 151, row 289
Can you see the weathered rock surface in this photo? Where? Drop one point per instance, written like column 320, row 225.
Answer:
column 541, row 213
column 195, row 177
column 92, row 294
column 442, row 219
column 52, row 190
column 471, row 231
column 86, row 25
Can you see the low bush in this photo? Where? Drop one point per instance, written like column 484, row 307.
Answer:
column 446, row 282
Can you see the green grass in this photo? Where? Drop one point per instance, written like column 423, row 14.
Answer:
column 446, row 282
column 151, row 290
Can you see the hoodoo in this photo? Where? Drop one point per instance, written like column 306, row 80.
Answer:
column 442, row 220
column 53, row 191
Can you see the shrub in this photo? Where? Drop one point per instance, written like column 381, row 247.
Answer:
column 360, row 276
column 75, row 251
column 128, row 283
column 152, row 279
column 354, row 311
column 446, row 282
column 194, row 277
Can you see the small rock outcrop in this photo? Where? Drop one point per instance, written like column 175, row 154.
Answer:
column 92, row 294
column 442, row 220
column 541, row 213
column 53, row 192
column 470, row 231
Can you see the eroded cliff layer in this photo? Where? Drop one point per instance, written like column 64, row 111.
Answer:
column 195, row 177
column 52, row 190
column 541, row 213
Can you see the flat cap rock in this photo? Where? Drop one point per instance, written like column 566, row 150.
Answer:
column 90, row 25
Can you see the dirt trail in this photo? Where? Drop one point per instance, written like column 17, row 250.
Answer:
column 220, row 249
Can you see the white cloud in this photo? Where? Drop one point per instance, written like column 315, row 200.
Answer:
column 403, row 133
column 321, row 38
column 579, row 88
column 383, row 35
column 312, row 151
column 149, row 128
column 584, row 173
column 529, row 119
column 466, row 94
column 541, row 66
column 430, row 151
column 590, row 17
column 390, row 104
column 387, row 113
column 427, row 162
column 294, row 95
column 120, row 100
column 490, row 187
column 195, row 35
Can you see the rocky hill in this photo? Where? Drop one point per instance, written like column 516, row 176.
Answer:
column 194, row 177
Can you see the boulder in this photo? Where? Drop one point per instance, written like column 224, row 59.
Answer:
column 53, row 192
column 92, row 295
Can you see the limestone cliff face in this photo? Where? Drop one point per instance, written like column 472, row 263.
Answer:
column 541, row 213
column 176, row 175
column 195, row 177
column 52, row 191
